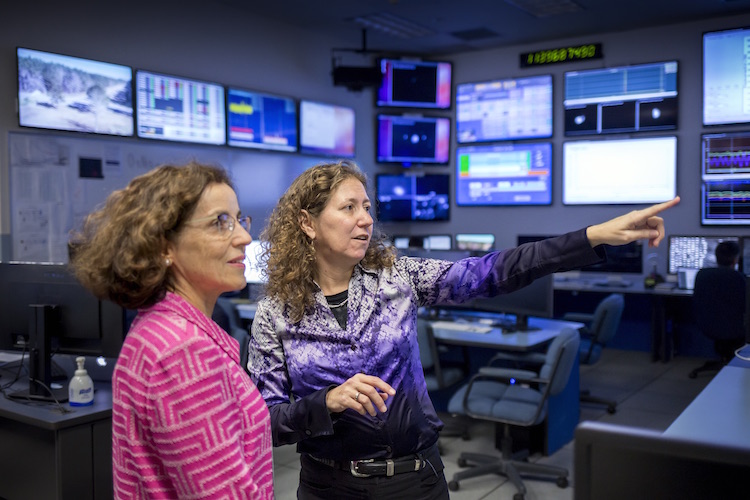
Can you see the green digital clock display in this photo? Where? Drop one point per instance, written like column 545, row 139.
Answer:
column 561, row 55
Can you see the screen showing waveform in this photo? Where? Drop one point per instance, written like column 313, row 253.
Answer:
column 727, row 153
column 726, row 202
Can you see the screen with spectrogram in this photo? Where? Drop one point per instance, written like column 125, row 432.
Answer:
column 261, row 121
column 177, row 109
column 725, row 189
column 621, row 99
column 326, row 129
column 508, row 109
column 504, row 174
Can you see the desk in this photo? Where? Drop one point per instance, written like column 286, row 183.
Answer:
column 246, row 309
column 50, row 455
column 563, row 410
column 662, row 345
column 720, row 414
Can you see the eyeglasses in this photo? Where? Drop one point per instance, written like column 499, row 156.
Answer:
column 224, row 224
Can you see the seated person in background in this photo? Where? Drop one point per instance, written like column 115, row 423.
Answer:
column 187, row 421
column 719, row 301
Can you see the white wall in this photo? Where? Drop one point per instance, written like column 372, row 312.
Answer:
column 210, row 41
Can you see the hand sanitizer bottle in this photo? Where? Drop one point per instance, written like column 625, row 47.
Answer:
column 81, row 387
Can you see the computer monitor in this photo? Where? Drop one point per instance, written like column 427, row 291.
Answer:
column 619, row 462
column 254, row 273
column 415, row 84
column 725, row 70
column 418, row 198
column 261, row 121
column 45, row 311
column 475, row 242
column 504, row 110
column 725, row 174
column 535, row 299
column 411, row 140
column 326, row 129
column 60, row 92
column 621, row 99
column 426, row 242
column 693, row 252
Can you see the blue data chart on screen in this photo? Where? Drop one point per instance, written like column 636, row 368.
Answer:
column 176, row 109
column 517, row 108
column 514, row 174
column 621, row 99
column 261, row 121
column 726, row 179
column 726, row 66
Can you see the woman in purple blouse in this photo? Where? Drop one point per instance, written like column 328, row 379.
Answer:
column 187, row 421
column 334, row 348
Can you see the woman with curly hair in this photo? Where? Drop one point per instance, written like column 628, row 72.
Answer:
column 334, row 347
column 187, row 421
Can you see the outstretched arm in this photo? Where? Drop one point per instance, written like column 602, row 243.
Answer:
column 642, row 224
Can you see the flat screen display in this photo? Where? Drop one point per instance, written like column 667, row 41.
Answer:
column 413, row 197
column 509, row 109
column 725, row 77
column 621, row 99
column 725, row 190
column 326, row 129
column 504, row 174
column 475, row 242
column 623, row 171
column 61, row 92
column 253, row 270
column 261, row 121
column 413, row 140
column 693, row 252
column 170, row 108
column 415, row 84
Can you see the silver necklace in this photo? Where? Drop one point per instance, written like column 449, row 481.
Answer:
column 339, row 305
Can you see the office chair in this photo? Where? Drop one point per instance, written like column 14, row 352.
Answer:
column 600, row 327
column 515, row 397
column 436, row 376
column 227, row 317
column 719, row 312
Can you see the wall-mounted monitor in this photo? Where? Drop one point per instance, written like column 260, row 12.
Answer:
column 410, row 140
column 425, row 242
column 475, row 242
column 415, row 84
column 725, row 191
column 623, row 171
column 171, row 108
column 508, row 109
column 621, row 99
column 725, row 70
column 60, row 92
column 693, row 252
column 261, row 121
column 504, row 174
column 402, row 198
column 326, row 129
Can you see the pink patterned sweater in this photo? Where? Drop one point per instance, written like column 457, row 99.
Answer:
column 187, row 421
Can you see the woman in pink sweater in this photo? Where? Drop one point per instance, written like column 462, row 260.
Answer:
column 187, row 421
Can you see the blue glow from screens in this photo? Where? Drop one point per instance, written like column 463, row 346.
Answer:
column 725, row 191
column 262, row 121
column 413, row 198
column 61, row 92
column 504, row 174
column 514, row 108
column 725, row 70
column 408, row 140
column 415, row 84
column 176, row 109
column 621, row 99
column 326, row 129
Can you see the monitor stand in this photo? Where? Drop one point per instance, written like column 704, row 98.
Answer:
column 43, row 319
column 522, row 324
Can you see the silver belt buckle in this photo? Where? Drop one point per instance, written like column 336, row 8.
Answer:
column 353, row 467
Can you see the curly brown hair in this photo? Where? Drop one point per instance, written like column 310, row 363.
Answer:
column 118, row 253
column 289, row 258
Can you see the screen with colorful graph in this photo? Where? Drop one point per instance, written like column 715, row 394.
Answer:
column 726, row 179
column 261, row 121
column 177, row 109
column 504, row 174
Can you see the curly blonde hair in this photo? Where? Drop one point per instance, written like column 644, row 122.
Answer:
column 289, row 258
column 118, row 253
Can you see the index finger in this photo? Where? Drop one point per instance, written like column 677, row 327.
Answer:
column 659, row 207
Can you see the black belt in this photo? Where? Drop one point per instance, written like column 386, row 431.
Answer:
column 380, row 467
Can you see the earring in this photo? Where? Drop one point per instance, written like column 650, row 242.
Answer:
column 168, row 261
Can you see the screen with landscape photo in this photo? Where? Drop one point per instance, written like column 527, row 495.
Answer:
column 60, row 92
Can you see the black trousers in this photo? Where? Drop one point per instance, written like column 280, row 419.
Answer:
column 321, row 482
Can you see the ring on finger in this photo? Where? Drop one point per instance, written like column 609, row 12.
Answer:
column 356, row 397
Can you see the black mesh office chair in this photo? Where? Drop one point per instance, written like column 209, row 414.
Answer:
column 719, row 312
